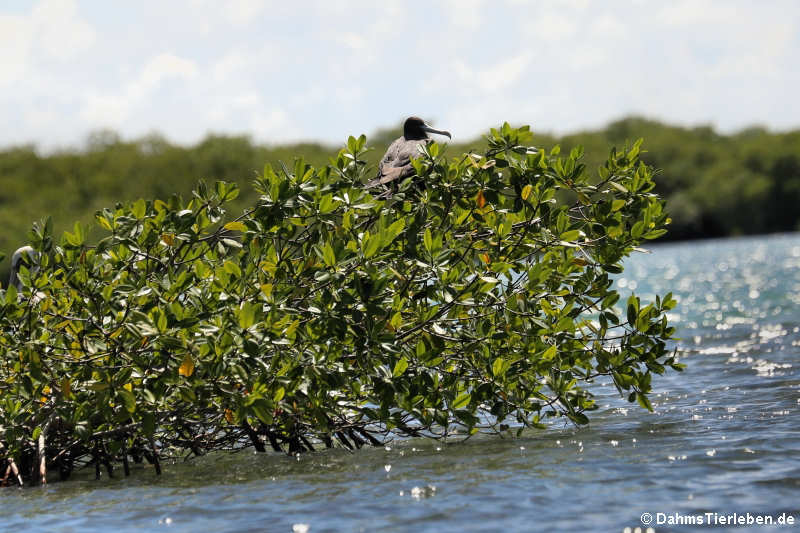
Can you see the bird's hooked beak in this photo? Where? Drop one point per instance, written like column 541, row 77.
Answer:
column 427, row 128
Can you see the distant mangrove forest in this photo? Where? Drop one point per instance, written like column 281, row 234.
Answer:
column 715, row 185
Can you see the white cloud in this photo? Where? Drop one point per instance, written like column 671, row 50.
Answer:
column 59, row 28
column 112, row 109
column 321, row 69
column 236, row 12
column 465, row 14
column 505, row 73
column 231, row 63
column 352, row 40
column 607, row 26
column 242, row 11
column 53, row 30
column 162, row 67
column 551, row 25
column 275, row 124
column 15, row 42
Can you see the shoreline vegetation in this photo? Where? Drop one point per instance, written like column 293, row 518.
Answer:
column 715, row 185
column 479, row 298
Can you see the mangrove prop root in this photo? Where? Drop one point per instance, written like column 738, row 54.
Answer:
column 343, row 440
column 109, row 466
column 136, row 452
column 274, row 442
column 156, row 462
column 14, row 470
column 372, row 440
column 254, row 438
column 295, row 447
column 359, row 442
column 96, row 459
column 4, row 482
column 307, row 443
column 64, row 466
column 126, row 467
column 42, row 460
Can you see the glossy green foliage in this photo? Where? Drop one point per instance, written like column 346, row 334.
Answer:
column 477, row 297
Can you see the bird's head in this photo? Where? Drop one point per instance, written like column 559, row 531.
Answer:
column 415, row 128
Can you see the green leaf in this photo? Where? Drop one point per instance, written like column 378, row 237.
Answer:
column 139, row 208
column 570, row 235
column 103, row 221
column 461, row 401
column 637, row 229
column 372, row 243
column 397, row 320
column 128, row 399
column 279, row 394
column 632, row 309
column 327, row 204
column 428, row 240
column 290, row 331
column 644, row 401
column 578, row 418
column 499, row 367
column 232, row 268
column 617, row 186
column 395, row 229
column 526, row 191
column 550, row 353
column 328, row 256
column 161, row 322
column 236, row 226
column 400, row 367
column 247, row 315
column 654, row 234
column 262, row 410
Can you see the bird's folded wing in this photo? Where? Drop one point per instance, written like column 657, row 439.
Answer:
column 390, row 174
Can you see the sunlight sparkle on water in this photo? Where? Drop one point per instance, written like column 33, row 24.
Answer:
column 740, row 390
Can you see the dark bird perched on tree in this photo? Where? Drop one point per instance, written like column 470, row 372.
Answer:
column 396, row 163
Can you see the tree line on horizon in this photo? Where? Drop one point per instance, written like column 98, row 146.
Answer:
column 715, row 184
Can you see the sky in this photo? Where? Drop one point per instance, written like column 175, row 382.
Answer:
column 283, row 71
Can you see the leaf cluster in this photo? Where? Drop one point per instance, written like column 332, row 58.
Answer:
column 479, row 297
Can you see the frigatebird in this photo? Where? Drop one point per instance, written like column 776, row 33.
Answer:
column 396, row 162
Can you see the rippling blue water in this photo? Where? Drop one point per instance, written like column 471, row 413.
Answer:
column 723, row 440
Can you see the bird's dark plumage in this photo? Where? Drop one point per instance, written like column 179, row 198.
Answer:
column 396, row 163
